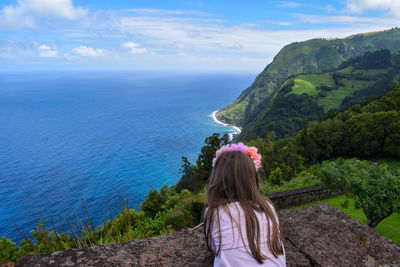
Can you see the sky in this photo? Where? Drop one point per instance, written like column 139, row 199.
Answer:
column 178, row 35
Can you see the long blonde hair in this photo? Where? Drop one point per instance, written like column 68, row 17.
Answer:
column 234, row 179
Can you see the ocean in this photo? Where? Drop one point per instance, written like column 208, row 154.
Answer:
column 72, row 136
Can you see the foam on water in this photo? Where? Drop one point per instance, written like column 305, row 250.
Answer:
column 234, row 129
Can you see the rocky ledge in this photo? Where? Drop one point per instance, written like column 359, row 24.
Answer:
column 314, row 236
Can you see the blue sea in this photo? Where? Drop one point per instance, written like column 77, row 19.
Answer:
column 72, row 136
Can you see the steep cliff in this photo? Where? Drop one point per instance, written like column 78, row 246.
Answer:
column 312, row 56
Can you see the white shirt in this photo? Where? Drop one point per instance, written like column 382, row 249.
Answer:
column 234, row 252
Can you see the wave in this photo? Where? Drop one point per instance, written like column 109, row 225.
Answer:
column 236, row 129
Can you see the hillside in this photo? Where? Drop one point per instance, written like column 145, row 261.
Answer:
column 311, row 96
column 366, row 130
column 312, row 56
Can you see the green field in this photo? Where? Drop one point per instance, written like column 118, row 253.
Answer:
column 307, row 83
column 349, row 83
column 363, row 72
column 334, row 98
column 389, row 227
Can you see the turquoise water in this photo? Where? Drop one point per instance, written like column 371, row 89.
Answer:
column 88, row 135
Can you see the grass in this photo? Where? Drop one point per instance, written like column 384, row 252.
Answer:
column 306, row 84
column 319, row 79
column 303, row 87
column 348, row 70
column 234, row 112
column 334, row 98
column 309, row 83
column 389, row 227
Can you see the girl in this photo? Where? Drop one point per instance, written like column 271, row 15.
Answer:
column 241, row 226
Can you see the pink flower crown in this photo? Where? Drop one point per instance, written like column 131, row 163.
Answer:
column 249, row 151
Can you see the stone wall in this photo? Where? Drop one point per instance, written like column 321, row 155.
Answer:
column 290, row 198
column 313, row 236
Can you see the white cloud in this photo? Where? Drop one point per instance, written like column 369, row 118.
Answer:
column 289, row 4
column 358, row 6
column 88, row 51
column 47, row 51
column 216, row 38
column 28, row 13
column 330, row 9
column 133, row 48
column 153, row 11
column 163, row 35
column 348, row 20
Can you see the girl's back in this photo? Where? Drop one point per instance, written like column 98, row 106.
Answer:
column 234, row 244
column 241, row 225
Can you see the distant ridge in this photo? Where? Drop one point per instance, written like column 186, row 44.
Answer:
column 310, row 97
column 312, row 56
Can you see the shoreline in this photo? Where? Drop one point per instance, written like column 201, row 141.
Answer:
column 236, row 129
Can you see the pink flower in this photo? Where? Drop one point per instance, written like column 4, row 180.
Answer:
column 258, row 163
column 252, row 152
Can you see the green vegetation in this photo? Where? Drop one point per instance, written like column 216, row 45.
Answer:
column 302, row 86
column 392, row 163
column 365, row 131
column 376, row 190
column 307, row 84
column 195, row 176
column 306, row 178
column 388, row 227
column 311, row 96
column 312, row 56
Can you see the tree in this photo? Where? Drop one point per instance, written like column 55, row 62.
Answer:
column 194, row 177
column 376, row 190
column 213, row 143
column 276, row 177
column 266, row 149
column 310, row 147
column 154, row 200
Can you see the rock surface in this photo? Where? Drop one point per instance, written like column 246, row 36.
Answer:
column 314, row 236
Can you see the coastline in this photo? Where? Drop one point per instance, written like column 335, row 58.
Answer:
column 236, row 129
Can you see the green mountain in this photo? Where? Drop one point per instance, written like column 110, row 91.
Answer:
column 312, row 56
column 309, row 97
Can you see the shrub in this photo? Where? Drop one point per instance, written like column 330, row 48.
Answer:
column 186, row 210
column 276, row 176
column 8, row 251
column 376, row 190
column 154, row 200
